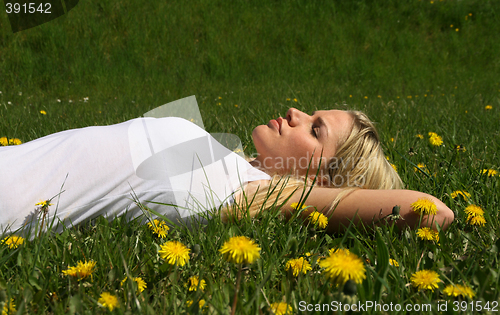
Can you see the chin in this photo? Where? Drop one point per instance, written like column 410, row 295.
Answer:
column 257, row 137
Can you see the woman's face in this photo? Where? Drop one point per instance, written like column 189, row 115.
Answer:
column 288, row 144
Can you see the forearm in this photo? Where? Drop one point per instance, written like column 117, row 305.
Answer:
column 370, row 206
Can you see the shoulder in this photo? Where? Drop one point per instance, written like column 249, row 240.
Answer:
column 250, row 189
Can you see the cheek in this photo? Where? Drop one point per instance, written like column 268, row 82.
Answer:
column 302, row 146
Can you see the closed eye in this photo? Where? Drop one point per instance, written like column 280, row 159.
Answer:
column 313, row 132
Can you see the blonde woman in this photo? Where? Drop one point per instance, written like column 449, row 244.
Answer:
column 176, row 169
column 340, row 152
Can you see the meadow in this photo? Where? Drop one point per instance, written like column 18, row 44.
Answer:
column 415, row 67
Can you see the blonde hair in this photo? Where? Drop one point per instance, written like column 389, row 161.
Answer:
column 359, row 162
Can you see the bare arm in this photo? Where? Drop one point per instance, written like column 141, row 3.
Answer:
column 365, row 205
column 371, row 205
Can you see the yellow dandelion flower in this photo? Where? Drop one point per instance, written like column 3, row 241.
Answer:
column 155, row 223
column 201, row 303
column 141, row 284
column 43, row 112
column 424, row 206
column 458, row 289
column 394, row 167
column 477, row 220
column 288, row 99
column 462, row 193
column 15, row 141
column 298, row 265
column 342, row 265
column 488, row 107
column 159, row 228
column 392, row 139
column 281, row 308
column 4, row 141
column 319, row 219
column 161, row 231
column 108, row 300
column 425, row 279
column 337, row 250
column 295, row 100
column 421, row 166
column 460, row 148
column 393, row 262
column 174, row 253
column 419, row 136
column 194, row 283
column 9, row 308
column 295, row 206
column 13, row 241
column 474, row 211
column 427, row 234
column 240, row 249
column 489, row 172
column 44, row 203
column 435, row 140
column 432, row 134
column 82, row 270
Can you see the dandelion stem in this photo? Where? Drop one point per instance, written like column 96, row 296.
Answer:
column 235, row 300
column 44, row 210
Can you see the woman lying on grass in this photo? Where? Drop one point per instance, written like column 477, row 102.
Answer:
column 176, row 169
column 354, row 181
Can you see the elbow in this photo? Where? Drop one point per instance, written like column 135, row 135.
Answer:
column 444, row 216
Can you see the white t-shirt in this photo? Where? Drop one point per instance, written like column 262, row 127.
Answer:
column 95, row 171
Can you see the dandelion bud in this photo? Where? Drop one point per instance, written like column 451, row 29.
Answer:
column 395, row 210
column 350, row 288
column 293, row 246
column 196, row 249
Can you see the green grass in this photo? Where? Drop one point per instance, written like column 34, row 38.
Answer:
column 400, row 62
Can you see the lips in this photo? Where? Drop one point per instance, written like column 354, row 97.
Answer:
column 276, row 125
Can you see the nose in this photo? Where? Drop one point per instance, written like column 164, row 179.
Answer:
column 294, row 116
